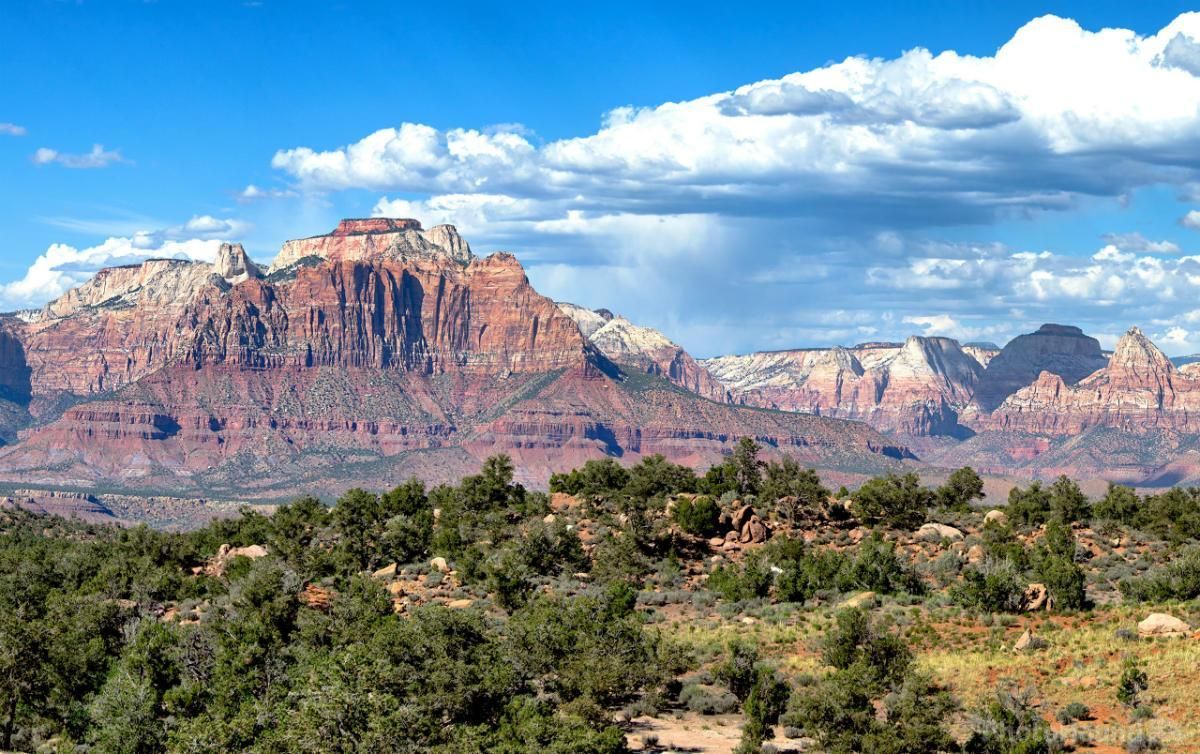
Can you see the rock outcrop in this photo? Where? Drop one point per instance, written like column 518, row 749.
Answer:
column 376, row 239
column 915, row 387
column 1137, row 391
column 233, row 265
column 644, row 349
column 1061, row 350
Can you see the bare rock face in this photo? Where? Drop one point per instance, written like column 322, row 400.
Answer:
column 1036, row 597
column 1139, row 390
column 981, row 352
column 589, row 320
column 233, row 265
column 1061, row 350
column 389, row 343
column 916, row 387
column 376, row 239
column 644, row 349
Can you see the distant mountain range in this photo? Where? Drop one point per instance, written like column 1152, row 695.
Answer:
column 376, row 352
column 383, row 350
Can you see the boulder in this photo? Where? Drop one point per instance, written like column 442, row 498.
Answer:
column 754, row 531
column 741, row 517
column 1036, row 597
column 1029, row 642
column 440, row 564
column 938, row 532
column 975, row 554
column 1161, row 624
column 716, row 541
column 460, row 604
column 999, row 518
column 386, row 573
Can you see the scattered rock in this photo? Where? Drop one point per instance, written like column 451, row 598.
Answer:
column 938, row 532
column 863, row 600
column 549, row 518
column 460, row 604
column 316, row 597
column 1029, row 642
column 975, row 554
column 440, row 564
column 1161, row 624
column 716, row 542
column 219, row 562
column 386, row 573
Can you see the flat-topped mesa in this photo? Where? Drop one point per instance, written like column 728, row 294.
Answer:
column 377, row 239
column 360, row 226
column 169, row 282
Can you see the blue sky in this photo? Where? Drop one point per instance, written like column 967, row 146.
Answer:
column 885, row 192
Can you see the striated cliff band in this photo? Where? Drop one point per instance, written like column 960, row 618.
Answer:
column 376, row 352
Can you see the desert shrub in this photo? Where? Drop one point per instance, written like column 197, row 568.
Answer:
column 655, row 476
column 792, row 488
column 699, row 699
column 995, row 586
column 877, row 567
column 617, row 557
column 857, row 640
column 1073, row 712
column 734, row 583
column 1011, row 724
column 895, row 500
column 961, row 487
column 1142, row 742
column 604, row 477
column 1067, row 502
column 1029, row 506
column 1173, row 515
column 767, row 700
column 1132, row 684
column 1056, row 568
column 697, row 516
column 1000, row 543
column 802, row 577
column 1120, row 504
column 872, row 671
column 739, row 670
column 1176, row 580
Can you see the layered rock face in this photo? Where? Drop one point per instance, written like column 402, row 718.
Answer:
column 914, row 387
column 981, row 352
column 1058, row 349
column 644, row 349
column 377, row 239
column 378, row 343
column 1138, row 390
